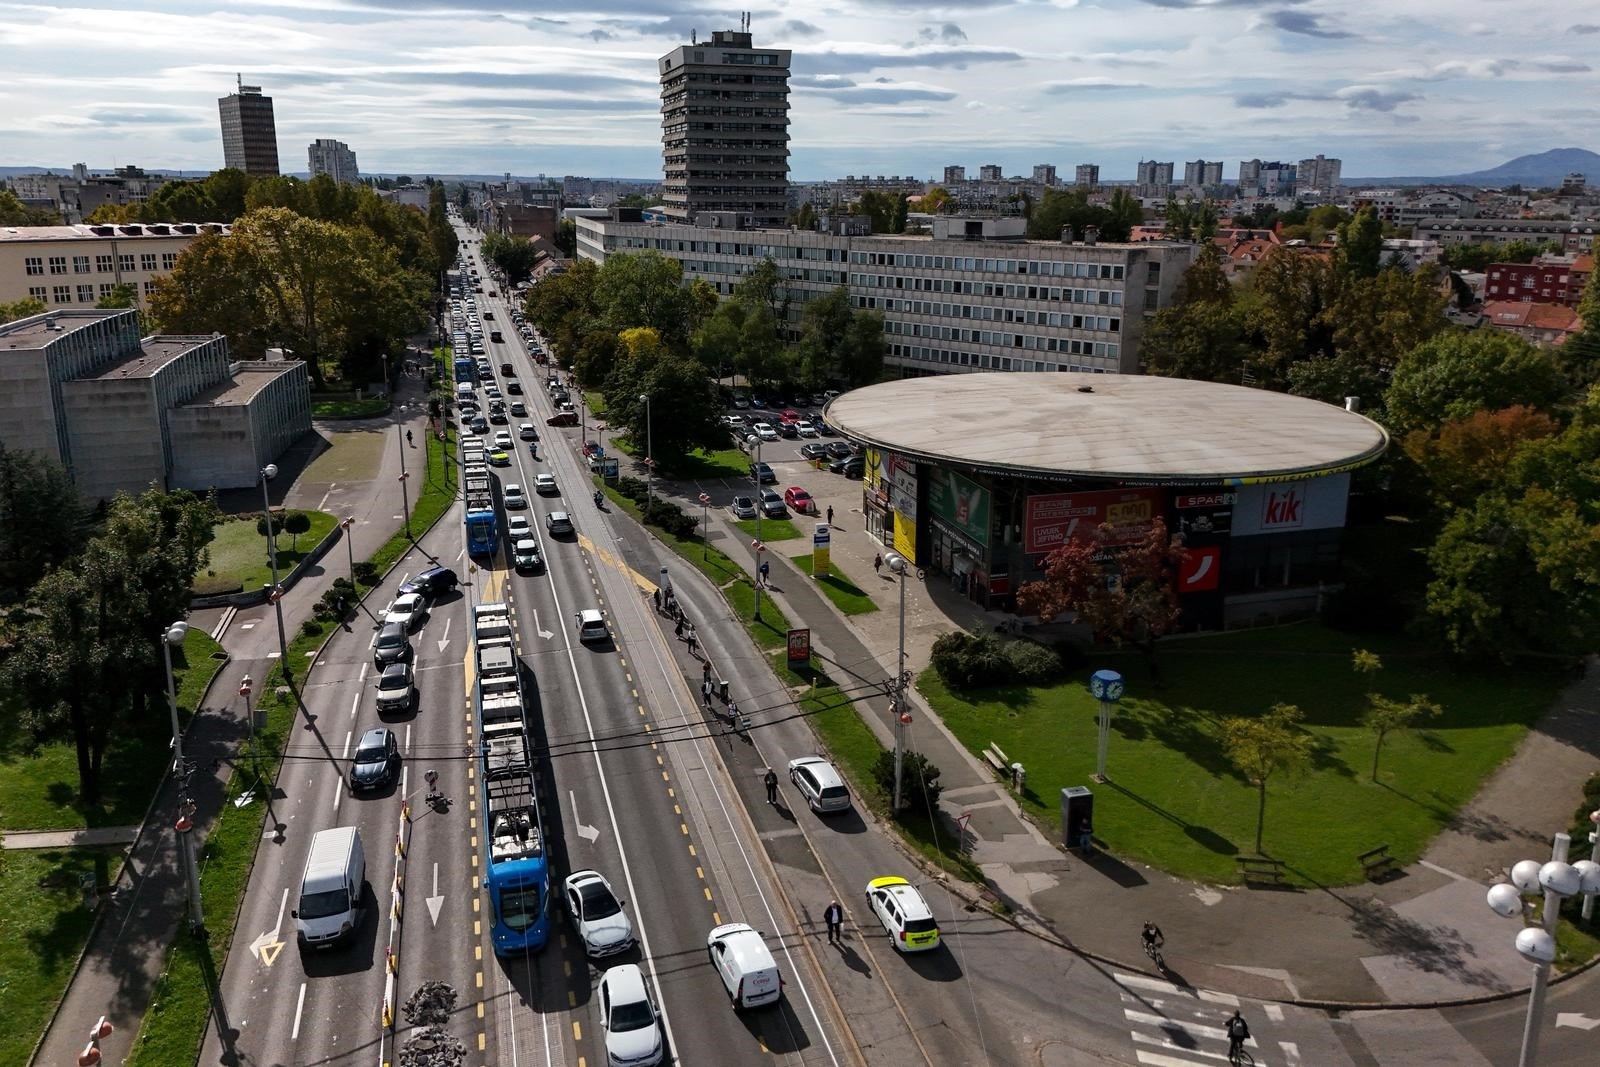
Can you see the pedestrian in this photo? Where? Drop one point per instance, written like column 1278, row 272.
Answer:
column 657, row 595
column 705, row 672
column 733, row 710
column 877, row 562
column 677, row 631
column 705, row 694
column 408, row 439
column 830, row 523
column 766, row 570
column 833, row 915
column 771, row 782
column 693, row 650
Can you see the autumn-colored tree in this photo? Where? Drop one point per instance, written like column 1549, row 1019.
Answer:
column 1265, row 746
column 1469, row 456
column 1126, row 594
column 936, row 200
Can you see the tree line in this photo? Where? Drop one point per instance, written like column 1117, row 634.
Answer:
column 632, row 327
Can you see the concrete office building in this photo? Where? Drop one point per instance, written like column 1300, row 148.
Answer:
column 972, row 296
column 1571, row 236
column 78, row 194
column 249, row 134
column 122, row 413
column 1266, row 179
column 333, row 158
column 1086, row 175
column 725, row 129
column 74, row 266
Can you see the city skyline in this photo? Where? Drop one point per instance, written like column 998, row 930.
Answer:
column 878, row 87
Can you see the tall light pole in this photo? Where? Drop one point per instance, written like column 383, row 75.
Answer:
column 901, row 566
column 705, row 541
column 405, row 496
column 755, row 476
column 1558, row 880
column 649, row 451
column 275, row 594
column 250, row 717
column 349, row 548
column 174, row 635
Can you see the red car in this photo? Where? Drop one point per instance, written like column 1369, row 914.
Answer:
column 799, row 499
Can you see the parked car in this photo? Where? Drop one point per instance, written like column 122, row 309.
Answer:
column 743, row 507
column 772, row 505
column 799, row 499
column 763, row 474
column 376, row 762
column 396, row 688
column 805, row 428
column 904, row 914
column 765, row 431
column 787, row 428
column 814, row 450
column 597, row 916
column 840, row 449
column 820, row 784
column 853, row 467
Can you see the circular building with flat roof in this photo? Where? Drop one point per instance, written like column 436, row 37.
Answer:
column 980, row 476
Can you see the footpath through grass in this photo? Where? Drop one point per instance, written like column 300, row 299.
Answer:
column 176, row 1021
column 1176, row 802
column 239, row 552
column 846, row 595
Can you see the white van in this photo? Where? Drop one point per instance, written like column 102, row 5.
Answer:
column 463, row 391
column 331, row 889
column 747, row 969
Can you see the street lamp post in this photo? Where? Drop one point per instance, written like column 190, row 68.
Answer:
column 901, row 566
column 250, row 717
column 275, row 594
column 705, row 540
column 174, row 635
column 405, row 496
column 649, row 450
column 1557, row 879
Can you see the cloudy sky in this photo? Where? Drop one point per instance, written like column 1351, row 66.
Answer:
column 880, row 86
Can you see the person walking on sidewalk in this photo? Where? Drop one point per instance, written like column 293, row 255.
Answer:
column 765, row 570
column 705, row 693
column 677, row 631
column 705, row 672
column 877, row 563
column 771, row 782
column 693, row 647
column 657, row 595
column 833, row 915
column 830, row 523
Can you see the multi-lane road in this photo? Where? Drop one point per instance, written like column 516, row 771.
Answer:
column 641, row 785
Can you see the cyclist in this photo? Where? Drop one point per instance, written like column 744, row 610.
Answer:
column 1238, row 1033
column 1153, row 939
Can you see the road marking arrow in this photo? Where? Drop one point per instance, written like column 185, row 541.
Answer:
column 436, row 901
column 445, row 640
column 588, row 833
column 267, row 946
column 539, row 627
column 1576, row 1019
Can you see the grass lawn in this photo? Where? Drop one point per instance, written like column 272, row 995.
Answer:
column 771, row 529
column 349, row 408
column 38, row 790
column 703, row 466
column 595, row 400
column 239, row 553
column 711, row 562
column 846, row 595
column 42, row 929
column 1175, row 801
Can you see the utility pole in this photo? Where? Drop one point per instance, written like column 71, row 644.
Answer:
column 174, row 635
column 900, row 565
column 275, row 593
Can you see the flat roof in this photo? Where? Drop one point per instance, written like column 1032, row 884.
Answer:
column 1122, row 427
column 249, row 378
column 154, row 353
column 133, row 231
column 36, row 331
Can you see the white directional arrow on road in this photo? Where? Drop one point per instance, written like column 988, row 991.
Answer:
column 1576, row 1019
column 588, row 833
column 539, row 627
column 436, row 901
column 445, row 640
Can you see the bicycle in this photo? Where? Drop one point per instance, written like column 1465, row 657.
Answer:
column 1153, row 950
column 1240, row 1057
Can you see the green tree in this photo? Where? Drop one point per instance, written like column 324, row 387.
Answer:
column 1295, row 291
column 180, row 201
column 936, row 200
column 920, row 787
column 227, row 189
column 217, row 285
column 646, row 289
column 1580, row 355
column 1179, row 222
column 683, row 410
column 43, row 522
column 1458, row 373
column 1468, row 457
column 1203, row 341
column 879, row 207
column 1360, row 244
column 1386, row 715
column 902, row 208
column 567, row 238
column 1265, row 746
column 441, row 235
column 839, row 343
column 514, row 256
column 294, row 524
column 21, row 309
column 1205, row 282
column 1123, row 213
column 14, row 212
column 122, row 295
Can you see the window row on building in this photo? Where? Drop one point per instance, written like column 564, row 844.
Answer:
column 80, row 294
column 1057, row 268
column 102, row 264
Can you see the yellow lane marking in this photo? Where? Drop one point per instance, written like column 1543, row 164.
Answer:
column 572, row 999
column 477, row 952
column 708, row 894
column 700, row 873
column 480, row 1009
column 577, row 1031
column 683, row 828
column 692, row 852
column 479, row 979
column 676, row 810
column 672, row 792
column 616, row 563
column 716, row 920
column 481, row 1042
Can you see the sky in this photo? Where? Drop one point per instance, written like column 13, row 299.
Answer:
column 1392, row 87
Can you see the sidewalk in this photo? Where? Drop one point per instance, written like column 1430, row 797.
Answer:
column 1423, row 937
column 138, row 921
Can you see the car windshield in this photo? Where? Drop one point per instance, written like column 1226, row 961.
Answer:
column 393, row 680
column 371, row 751
column 391, row 639
column 324, row 905
column 634, row 1016
column 597, row 901
column 519, row 908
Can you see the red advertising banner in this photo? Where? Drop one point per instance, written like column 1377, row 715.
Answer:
column 1201, row 571
column 799, row 647
column 1052, row 519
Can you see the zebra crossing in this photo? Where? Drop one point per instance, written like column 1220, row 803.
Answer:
column 1174, row 1026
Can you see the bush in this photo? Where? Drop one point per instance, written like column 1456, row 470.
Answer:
column 276, row 524
column 367, row 572
column 311, row 627
column 670, row 517
column 1032, row 663
column 633, row 489
column 327, row 609
column 976, row 660
column 919, row 779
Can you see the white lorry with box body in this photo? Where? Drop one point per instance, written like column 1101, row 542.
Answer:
column 331, row 889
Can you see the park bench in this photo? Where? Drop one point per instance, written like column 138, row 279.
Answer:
column 996, row 758
column 1377, row 862
column 1260, row 869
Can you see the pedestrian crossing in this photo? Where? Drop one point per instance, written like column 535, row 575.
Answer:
column 1175, row 1026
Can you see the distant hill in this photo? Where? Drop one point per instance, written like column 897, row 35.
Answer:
column 1535, row 171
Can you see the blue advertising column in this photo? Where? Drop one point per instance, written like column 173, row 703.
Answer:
column 1106, row 687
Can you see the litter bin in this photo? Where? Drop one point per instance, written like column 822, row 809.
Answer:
column 724, row 686
column 1077, row 817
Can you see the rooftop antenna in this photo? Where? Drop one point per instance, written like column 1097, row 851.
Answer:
column 239, row 80
column 692, row 37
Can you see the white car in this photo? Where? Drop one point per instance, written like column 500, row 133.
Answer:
column 545, row 485
column 527, row 432
column 502, row 439
column 592, row 627
column 514, row 498
column 517, row 528
column 820, row 784
column 805, row 428
column 558, row 522
column 905, row 915
column 765, row 431
column 492, row 390
column 597, row 914
column 628, row 1019
column 405, row 610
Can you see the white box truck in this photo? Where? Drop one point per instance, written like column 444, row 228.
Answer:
column 331, row 889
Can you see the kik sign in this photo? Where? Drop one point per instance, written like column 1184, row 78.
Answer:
column 1283, row 507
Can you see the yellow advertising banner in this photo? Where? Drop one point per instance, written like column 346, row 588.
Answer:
column 905, row 538
column 819, row 560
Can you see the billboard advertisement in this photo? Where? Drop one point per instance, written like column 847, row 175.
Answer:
column 905, row 537
column 1208, row 513
column 820, row 543
column 799, row 647
column 1276, row 507
column 872, row 470
column 1050, row 520
column 961, row 504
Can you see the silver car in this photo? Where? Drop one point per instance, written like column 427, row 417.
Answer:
column 820, row 784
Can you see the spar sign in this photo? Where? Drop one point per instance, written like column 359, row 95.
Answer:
column 1050, row 520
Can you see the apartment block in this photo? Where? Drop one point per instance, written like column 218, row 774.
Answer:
column 1153, row 178
column 75, row 266
column 725, row 129
column 973, row 295
column 122, row 413
column 77, row 195
column 1201, row 174
column 1044, row 173
column 991, row 172
column 1086, row 175
column 1547, row 280
column 1266, row 179
column 333, row 158
column 1570, row 236
column 954, row 174
column 1319, row 174
column 249, row 133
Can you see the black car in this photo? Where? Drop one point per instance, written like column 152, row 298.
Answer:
column 392, row 645
column 432, row 583
column 851, row 467
column 376, row 761
column 840, row 450
column 514, row 388
column 763, row 474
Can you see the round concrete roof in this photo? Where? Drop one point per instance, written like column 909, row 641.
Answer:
column 1109, row 426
